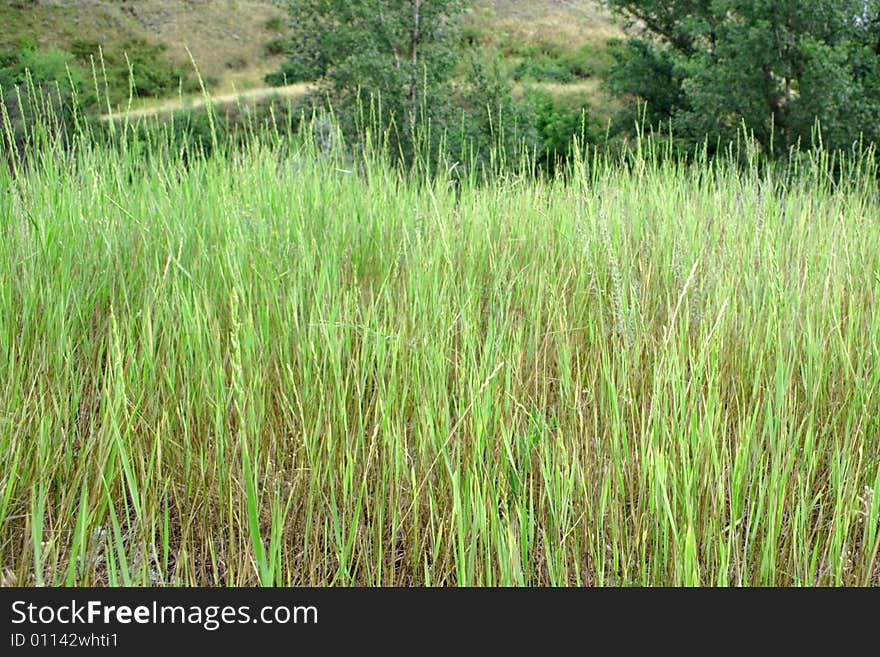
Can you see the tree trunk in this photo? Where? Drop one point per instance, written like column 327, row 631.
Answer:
column 777, row 104
column 414, row 80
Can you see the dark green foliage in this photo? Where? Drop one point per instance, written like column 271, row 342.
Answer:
column 276, row 46
column 552, row 63
column 776, row 67
column 559, row 125
column 493, row 126
column 44, row 92
column 293, row 70
column 37, row 90
column 138, row 68
column 544, row 68
column 142, row 65
column 398, row 49
column 651, row 74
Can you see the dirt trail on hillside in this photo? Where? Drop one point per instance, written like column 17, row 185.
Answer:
column 194, row 102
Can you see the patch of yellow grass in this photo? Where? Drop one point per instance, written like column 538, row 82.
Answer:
column 226, row 37
column 590, row 93
column 568, row 24
column 195, row 101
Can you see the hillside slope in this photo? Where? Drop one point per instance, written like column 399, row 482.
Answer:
column 227, row 38
column 557, row 45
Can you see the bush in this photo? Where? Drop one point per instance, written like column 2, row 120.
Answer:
column 152, row 74
column 543, row 63
column 37, row 90
column 544, row 69
column 292, row 71
column 559, row 124
column 274, row 24
column 275, row 46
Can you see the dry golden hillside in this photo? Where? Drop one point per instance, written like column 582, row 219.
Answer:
column 227, row 38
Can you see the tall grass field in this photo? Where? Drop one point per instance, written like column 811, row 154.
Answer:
column 282, row 367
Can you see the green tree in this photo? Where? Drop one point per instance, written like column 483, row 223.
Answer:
column 400, row 53
column 708, row 67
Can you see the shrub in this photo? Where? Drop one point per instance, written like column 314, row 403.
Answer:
column 37, row 91
column 544, row 68
column 558, row 124
column 275, row 46
column 274, row 24
column 137, row 67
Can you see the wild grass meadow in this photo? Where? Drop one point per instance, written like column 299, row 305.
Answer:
column 282, row 366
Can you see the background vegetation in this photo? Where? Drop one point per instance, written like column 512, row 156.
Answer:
column 793, row 74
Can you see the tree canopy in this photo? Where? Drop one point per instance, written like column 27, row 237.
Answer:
column 399, row 51
column 778, row 67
